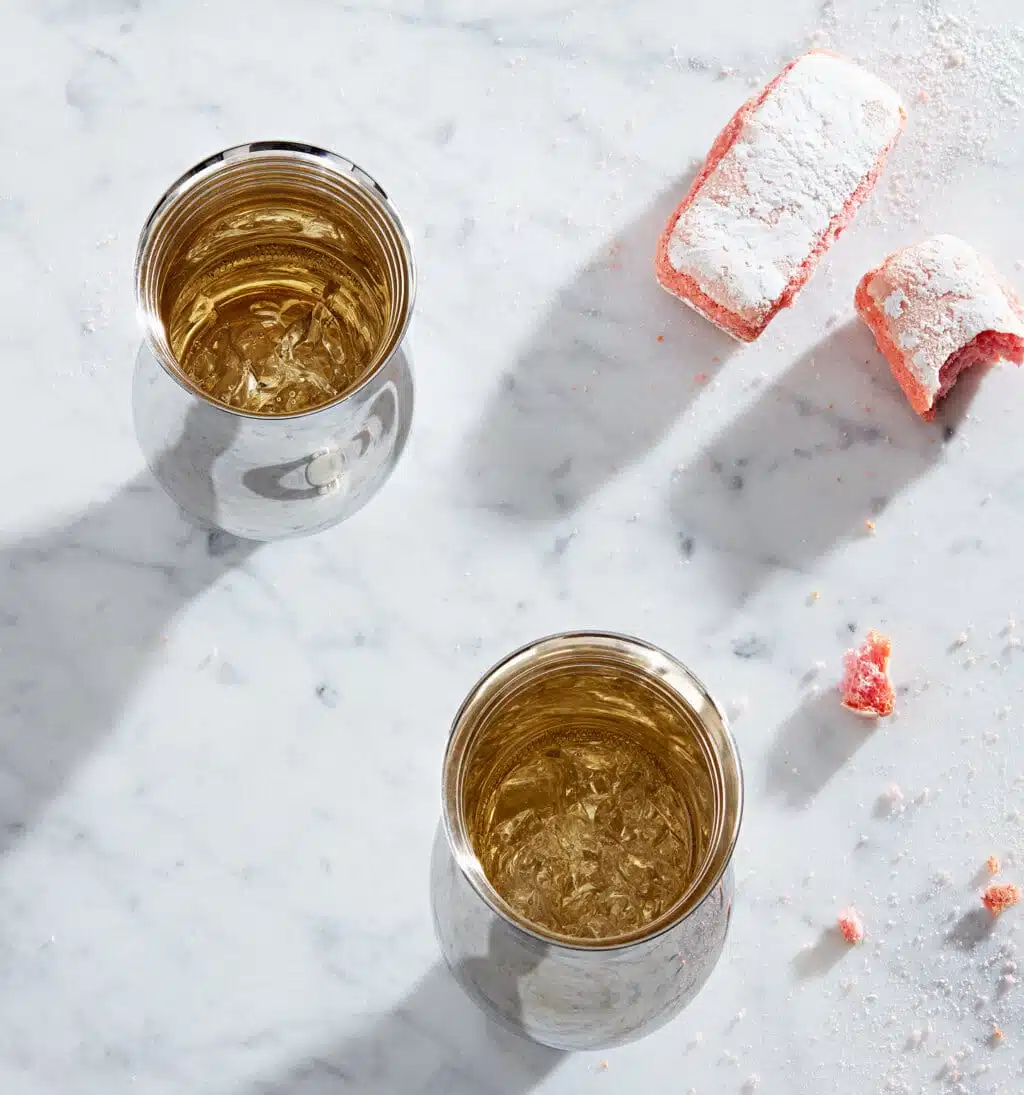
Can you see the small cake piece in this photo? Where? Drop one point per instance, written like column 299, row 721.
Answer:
column 992, row 864
column 935, row 309
column 781, row 181
column 866, row 687
column 1000, row 896
column 851, row 925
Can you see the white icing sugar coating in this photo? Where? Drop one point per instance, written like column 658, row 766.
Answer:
column 797, row 161
column 894, row 303
column 949, row 294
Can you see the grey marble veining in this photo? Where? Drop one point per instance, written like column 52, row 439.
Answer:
column 220, row 764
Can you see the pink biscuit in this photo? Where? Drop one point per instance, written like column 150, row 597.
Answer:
column 936, row 308
column 781, row 182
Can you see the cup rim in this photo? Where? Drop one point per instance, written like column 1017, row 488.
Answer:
column 468, row 862
column 254, row 150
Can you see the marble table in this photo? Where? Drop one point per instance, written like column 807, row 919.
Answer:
column 219, row 763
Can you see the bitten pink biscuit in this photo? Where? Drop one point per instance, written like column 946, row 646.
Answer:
column 935, row 309
column 780, row 183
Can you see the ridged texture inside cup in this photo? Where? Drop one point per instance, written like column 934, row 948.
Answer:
column 307, row 225
column 592, row 790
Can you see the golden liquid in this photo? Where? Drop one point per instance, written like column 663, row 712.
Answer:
column 277, row 310
column 595, row 824
column 586, row 835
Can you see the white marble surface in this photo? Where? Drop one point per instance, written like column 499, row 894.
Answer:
column 219, row 772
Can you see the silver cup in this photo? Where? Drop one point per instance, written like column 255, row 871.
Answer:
column 572, row 995
column 271, row 476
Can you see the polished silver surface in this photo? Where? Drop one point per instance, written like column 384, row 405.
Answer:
column 265, row 477
column 269, row 478
column 563, row 995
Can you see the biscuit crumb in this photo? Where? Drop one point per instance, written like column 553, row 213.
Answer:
column 891, row 801
column 866, row 687
column 851, row 925
column 1000, row 896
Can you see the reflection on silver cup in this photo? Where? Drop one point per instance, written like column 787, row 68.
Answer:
column 272, row 478
column 321, row 442
column 585, row 993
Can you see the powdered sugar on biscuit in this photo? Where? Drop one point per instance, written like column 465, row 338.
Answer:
column 797, row 161
column 950, row 295
column 894, row 303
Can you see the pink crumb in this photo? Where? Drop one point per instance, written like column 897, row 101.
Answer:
column 1000, row 896
column 893, row 798
column 867, row 689
column 992, row 864
column 851, row 925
